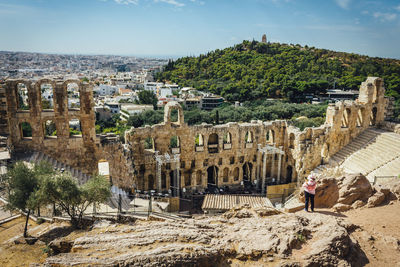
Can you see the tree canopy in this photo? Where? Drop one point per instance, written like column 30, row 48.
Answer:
column 253, row 70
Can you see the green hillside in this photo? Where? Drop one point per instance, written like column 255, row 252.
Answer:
column 255, row 70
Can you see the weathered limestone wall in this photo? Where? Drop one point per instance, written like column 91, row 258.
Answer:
column 119, row 157
column 223, row 155
column 76, row 151
column 221, row 162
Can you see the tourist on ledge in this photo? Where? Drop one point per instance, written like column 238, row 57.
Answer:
column 309, row 191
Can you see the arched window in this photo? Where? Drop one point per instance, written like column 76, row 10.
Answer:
column 188, row 179
column 247, row 168
column 359, row 117
column 213, row 143
column 289, row 173
column 248, row 138
column 23, row 97
column 73, row 95
column 227, row 140
column 236, row 174
column 346, row 118
column 149, row 143
column 373, row 116
column 212, row 176
column 26, row 130
column 47, row 93
column 174, row 145
column 199, row 142
column 75, row 128
column 50, row 130
column 291, row 140
column 270, row 137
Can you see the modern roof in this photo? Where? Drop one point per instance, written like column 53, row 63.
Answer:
column 227, row 202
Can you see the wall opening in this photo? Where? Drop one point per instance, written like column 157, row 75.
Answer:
column 149, row 143
column 359, row 117
column 174, row 115
column 199, row 140
column 270, row 137
column 22, row 97
column 226, row 175
column 291, row 140
column 150, row 182
column 26, row 130
column 212, row 176
column 73, row 96
column 236, row 174
column 248, row 137
column 213, row 143
column 163, row 180
column 247, row 168
column 188, row 179
column 50, row 130
column 47, row 96
column 174, row 144
column 227, row 140
column 75, row 128
column 289, row 173
column 346, row 118
column 373, row 116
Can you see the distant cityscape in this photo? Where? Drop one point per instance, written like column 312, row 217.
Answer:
column 117, row 79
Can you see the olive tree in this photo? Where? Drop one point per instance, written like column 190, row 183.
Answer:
column 74, row 199
column 23, row 184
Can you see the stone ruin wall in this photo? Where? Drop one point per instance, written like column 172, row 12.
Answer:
column 303, row 150
column 76, row 151
column 119, row 157
column 133, row 166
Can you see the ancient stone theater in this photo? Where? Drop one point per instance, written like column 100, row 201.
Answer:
column 175, row 157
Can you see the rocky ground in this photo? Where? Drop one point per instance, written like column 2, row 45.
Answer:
column 365, row 234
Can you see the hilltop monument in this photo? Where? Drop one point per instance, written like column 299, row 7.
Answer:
column 264, row 39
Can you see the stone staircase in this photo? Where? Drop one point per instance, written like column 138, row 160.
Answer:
column 373, row 153
column 37, row 157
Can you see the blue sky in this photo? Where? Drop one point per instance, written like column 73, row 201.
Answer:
column 191, row 27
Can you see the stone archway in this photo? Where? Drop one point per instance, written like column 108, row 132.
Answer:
column 247, row 169
column 289, row 174
column 373, row 116
column 212, row 176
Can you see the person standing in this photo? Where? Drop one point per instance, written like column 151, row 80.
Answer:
column 309, row 191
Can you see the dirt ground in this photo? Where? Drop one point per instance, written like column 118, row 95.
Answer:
column 379, row 233
column 21, row 254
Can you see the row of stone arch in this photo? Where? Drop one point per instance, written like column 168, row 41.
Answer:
column 211, row 177
column 42, row 94
column 212, row 141
column 50, row 129
column 360, row 118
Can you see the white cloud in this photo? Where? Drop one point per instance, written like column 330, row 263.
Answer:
column 397, row 8
column 343, row 3
column 127, row 2
column 171, row 2
column 385, row 16
column 365, row 12
column 198, row 2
